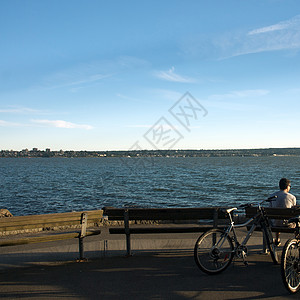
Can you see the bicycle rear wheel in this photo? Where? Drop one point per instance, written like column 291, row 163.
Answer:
column 213, row 251
column 290, row 265
column 272, row 248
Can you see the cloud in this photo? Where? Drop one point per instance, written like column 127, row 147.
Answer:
column 138, row 126
column 129, row 98
column 166, row 94
column 170, row 75
column 19, row 110
column 89, row 74
column 284, row 35
column 292, row 23
column 231, row 101
column 9, row 124
column 267, row 29
column 75, row 82
column 241, row 94
column 130, row 62
column 62, row 124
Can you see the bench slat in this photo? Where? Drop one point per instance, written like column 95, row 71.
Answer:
column 274, row 213
column 46, row 238
column 164, row 214
column 149, row 230
column 47, row 220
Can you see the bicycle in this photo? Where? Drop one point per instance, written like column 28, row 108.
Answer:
column 215, row 249
column 290, row 260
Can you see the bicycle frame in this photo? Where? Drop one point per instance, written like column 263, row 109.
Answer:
column 215, row 250
column 258, row 219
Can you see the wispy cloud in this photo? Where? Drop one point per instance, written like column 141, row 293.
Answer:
column 62, row 124
column 157, row 126
column 131, row 99
column 240, row 94
column 19, row 110
column 89, row 74
column 283, row 35
column 166, row 94
column 292, row 23
column 170, row 75
column 75, row 81
column 232, row 100
column 10, row 124
column 138, row 126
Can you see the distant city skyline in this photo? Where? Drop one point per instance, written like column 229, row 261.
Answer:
column 132, row 75
column 48, row 153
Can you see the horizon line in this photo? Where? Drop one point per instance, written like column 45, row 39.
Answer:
column 132, row 150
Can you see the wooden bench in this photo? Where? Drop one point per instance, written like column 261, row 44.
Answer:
column 45, row 228
column 161, row 214
column 275, row 213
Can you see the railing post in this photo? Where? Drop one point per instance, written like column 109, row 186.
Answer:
column 82, row 235
column 127, row 231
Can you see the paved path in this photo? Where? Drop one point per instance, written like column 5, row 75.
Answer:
column 148, row 274
column 168, row 275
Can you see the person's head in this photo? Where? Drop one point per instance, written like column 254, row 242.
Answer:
column 284, row 184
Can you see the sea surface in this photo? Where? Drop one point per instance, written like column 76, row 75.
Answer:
column 51, row 185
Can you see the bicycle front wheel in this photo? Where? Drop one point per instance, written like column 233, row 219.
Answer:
column 270, row 243
column 290, row 265
column 213, row 251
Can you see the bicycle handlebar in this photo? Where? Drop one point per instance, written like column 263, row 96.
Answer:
column 246, row 205
column 270, row 199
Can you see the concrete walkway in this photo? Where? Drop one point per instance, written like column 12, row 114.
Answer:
column 162, row 267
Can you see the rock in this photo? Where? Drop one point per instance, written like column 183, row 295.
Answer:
column 5, row 213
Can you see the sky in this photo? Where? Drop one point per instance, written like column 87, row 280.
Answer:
column 128, row 75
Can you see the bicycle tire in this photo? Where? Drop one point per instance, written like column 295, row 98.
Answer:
column 210, row 258
column 270, row 243
column 290, row 265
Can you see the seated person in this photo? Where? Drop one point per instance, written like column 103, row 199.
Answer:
column 284, row 200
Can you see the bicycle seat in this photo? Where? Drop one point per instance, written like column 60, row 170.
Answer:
column 229, row 210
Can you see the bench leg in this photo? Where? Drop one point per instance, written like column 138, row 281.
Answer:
column 82, row 234
column 127, row 232
column 264, row 250
column 128, row 246
column 81, row 249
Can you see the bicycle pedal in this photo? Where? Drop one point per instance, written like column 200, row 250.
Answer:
column 246, row 263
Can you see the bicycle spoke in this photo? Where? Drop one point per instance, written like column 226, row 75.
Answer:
column 213, row 251
column 290, row 265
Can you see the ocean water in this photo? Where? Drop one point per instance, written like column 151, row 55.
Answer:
column 50, row 185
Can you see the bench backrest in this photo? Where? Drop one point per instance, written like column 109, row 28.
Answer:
column 115, row 214
column 274, row 213
column 48, row 221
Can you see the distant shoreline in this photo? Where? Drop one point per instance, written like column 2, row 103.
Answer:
column 264, row 152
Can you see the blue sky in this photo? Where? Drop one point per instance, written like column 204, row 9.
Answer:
column 120, row 75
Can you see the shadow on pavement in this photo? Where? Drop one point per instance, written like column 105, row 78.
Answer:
column 168, row 275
